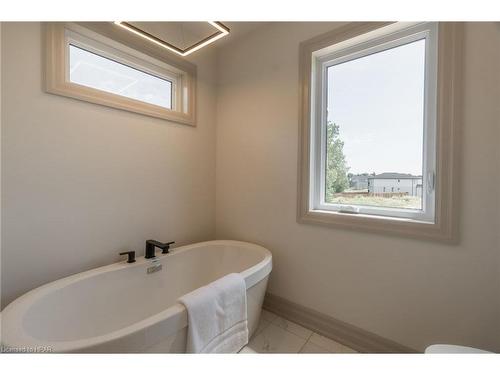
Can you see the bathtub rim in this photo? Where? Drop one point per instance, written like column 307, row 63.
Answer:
column 19, row 338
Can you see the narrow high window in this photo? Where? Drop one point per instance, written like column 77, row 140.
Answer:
column 104, row 69
column 104, row 74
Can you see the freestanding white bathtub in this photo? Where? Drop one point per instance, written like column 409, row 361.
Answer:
column 121, row 308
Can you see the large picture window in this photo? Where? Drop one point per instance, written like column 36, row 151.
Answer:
column 375, row 127
column 371, row 130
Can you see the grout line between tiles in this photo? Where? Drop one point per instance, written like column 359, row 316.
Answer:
column 308, row 339
column 286, row 330
column 318, row 345
column 303, row 338
column 312, row 333
column 303, row 345
column 277, row 316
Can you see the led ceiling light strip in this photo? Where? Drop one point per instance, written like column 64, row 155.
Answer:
column 222, row 31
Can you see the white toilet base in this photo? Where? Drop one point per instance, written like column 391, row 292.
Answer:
column 453, row 349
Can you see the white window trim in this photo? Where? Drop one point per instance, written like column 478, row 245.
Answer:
column 406, row 34
column 135, row 60
column 441, row 127
column 59, row 36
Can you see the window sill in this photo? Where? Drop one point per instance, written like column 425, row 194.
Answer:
column 403, row 227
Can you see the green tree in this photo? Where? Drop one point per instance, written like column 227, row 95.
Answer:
column 336, row 164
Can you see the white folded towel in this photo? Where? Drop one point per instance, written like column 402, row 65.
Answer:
column 217, row 316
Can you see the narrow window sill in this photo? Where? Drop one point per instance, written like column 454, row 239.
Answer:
column 373, row 216
column 403, row 227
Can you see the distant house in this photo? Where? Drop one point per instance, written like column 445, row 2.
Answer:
column 395, row 183
column 359, row 182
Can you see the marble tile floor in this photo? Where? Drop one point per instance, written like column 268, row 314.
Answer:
column 278, row 335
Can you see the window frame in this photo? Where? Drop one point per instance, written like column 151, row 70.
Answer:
column 396, row 38
column 446, row 142
column 95, row 47
column 182, row 75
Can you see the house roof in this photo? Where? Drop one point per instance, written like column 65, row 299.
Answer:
column 391, row 175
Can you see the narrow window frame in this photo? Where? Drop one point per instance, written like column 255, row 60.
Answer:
column 182, row 75
column 447, row 115
column 153, row 68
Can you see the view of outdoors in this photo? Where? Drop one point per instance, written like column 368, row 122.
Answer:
column 91, row 70
column 375, row 129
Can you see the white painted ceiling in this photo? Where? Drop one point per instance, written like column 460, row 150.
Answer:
column 185, row 34
column 239, row 30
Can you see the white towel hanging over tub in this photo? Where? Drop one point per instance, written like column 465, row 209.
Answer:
column 217, row 316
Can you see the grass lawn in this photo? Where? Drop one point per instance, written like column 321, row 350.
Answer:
column 365, row 200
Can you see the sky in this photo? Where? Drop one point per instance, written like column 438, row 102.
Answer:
column 377, row 101
column 89, row 69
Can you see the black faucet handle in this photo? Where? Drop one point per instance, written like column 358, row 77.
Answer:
column 131, row 256
column 166, row 247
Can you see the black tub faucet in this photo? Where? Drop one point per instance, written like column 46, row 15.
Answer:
column 131, row 256
column 152, row 244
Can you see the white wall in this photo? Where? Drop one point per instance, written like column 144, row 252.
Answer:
column 1, row 133
column 82, row 182
column 410, row 291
